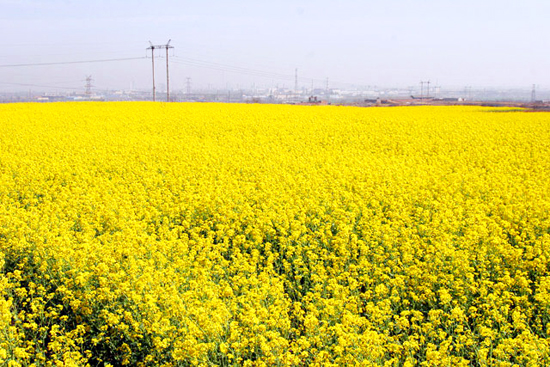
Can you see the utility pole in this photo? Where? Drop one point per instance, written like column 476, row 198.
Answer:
column 167, row 74
column 153, row 60
column 152, row 48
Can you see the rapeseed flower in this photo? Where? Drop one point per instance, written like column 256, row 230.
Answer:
column 209, row 234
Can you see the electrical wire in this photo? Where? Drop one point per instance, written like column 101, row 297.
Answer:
column 69, row 62
column 252, row 72
column 233, row 69
column 96, row 89
column 40, row 85
column 189, row 62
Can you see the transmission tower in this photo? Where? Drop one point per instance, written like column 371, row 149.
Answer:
column 468, row 92
column 88, row 85
column 166, row 47
column 188, row 84
column 437, row 90
column 428, row 91
column 422, row 89
column 533, row 94
column 296, row 80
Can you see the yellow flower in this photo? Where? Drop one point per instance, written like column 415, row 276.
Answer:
column 198, row 234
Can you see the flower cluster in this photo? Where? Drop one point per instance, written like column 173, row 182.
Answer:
column 207, row 234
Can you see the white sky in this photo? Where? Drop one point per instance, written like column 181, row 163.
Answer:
column 385, row 43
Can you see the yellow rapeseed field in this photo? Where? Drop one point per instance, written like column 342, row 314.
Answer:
column 262, row 235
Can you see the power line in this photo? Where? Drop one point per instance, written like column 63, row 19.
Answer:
column 239, row 69
column 68, row 62
column 190, row 62
column 53, row 86
column 234, row 69
column 252, row 72
column 215, row 64
column 186, row 61
column 41, row 86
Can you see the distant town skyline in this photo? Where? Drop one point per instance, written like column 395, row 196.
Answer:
column 225, row 44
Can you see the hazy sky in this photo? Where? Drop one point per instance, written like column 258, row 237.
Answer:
column 236, row 43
